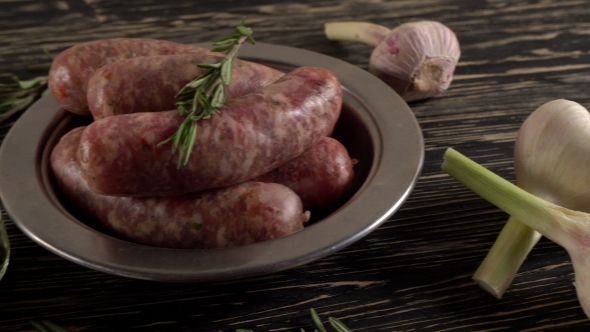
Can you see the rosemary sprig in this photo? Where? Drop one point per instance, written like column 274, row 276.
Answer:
column 17, row 96
column 48, row 326
column 202, row 97
column 335, row 322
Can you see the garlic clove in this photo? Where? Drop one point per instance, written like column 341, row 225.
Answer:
column 417, row 59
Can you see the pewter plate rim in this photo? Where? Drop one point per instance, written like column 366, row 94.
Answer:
column 397, row 163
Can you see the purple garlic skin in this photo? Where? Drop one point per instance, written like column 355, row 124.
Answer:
column 417, row 59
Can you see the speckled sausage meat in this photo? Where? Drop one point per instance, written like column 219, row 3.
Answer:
column 320, row 176
column 149, row 84
column 72, row 68
column 242, row 214
column 252, row 135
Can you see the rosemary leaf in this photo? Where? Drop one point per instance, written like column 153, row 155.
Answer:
column 198, row 97
column 225, row 40
column 222, row 49
column 17, row 96
column 219, row 97
column 53, row 327
column 46, row 326
column 226, row 71
column 209, row 65
column 242, row 30
column 338, row 325
column 191, row 139
column 17, row 93
column 9, row 87
column 202, row 80
column 177, row 136
column 30, row 83
column 39, row 327
column 317, row 321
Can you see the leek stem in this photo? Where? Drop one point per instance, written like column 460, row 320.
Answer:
column 570, row 229
column 365, row 32
column 533, row 211
column 497, row 270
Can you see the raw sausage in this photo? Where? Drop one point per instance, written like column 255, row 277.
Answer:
column 72, row 68
column 242, row 214
column 149, row 84
column 252, row 135
column 320, row 176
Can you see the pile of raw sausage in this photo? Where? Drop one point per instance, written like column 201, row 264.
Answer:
column 255, row 171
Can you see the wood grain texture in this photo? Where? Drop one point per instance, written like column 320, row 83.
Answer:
column 413, row 272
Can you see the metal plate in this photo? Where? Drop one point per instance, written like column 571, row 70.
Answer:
column 376, row 125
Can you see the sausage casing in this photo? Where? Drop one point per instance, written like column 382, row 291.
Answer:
column 252, row 135
column 149, row 84
column 321, row 175
column 238, row 215
column 72, row 68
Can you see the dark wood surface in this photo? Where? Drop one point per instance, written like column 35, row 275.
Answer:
column 413, row 272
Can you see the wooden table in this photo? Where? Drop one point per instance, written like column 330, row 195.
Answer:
column 413, row 272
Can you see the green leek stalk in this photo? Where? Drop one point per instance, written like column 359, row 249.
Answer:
column 551, row 160
column 364, row 32
column 497, row 270
column 570, row 229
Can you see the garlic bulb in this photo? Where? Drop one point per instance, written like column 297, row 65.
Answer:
column 570, row 229
column 416, row 59
column 551, row 161
column 552, row 154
